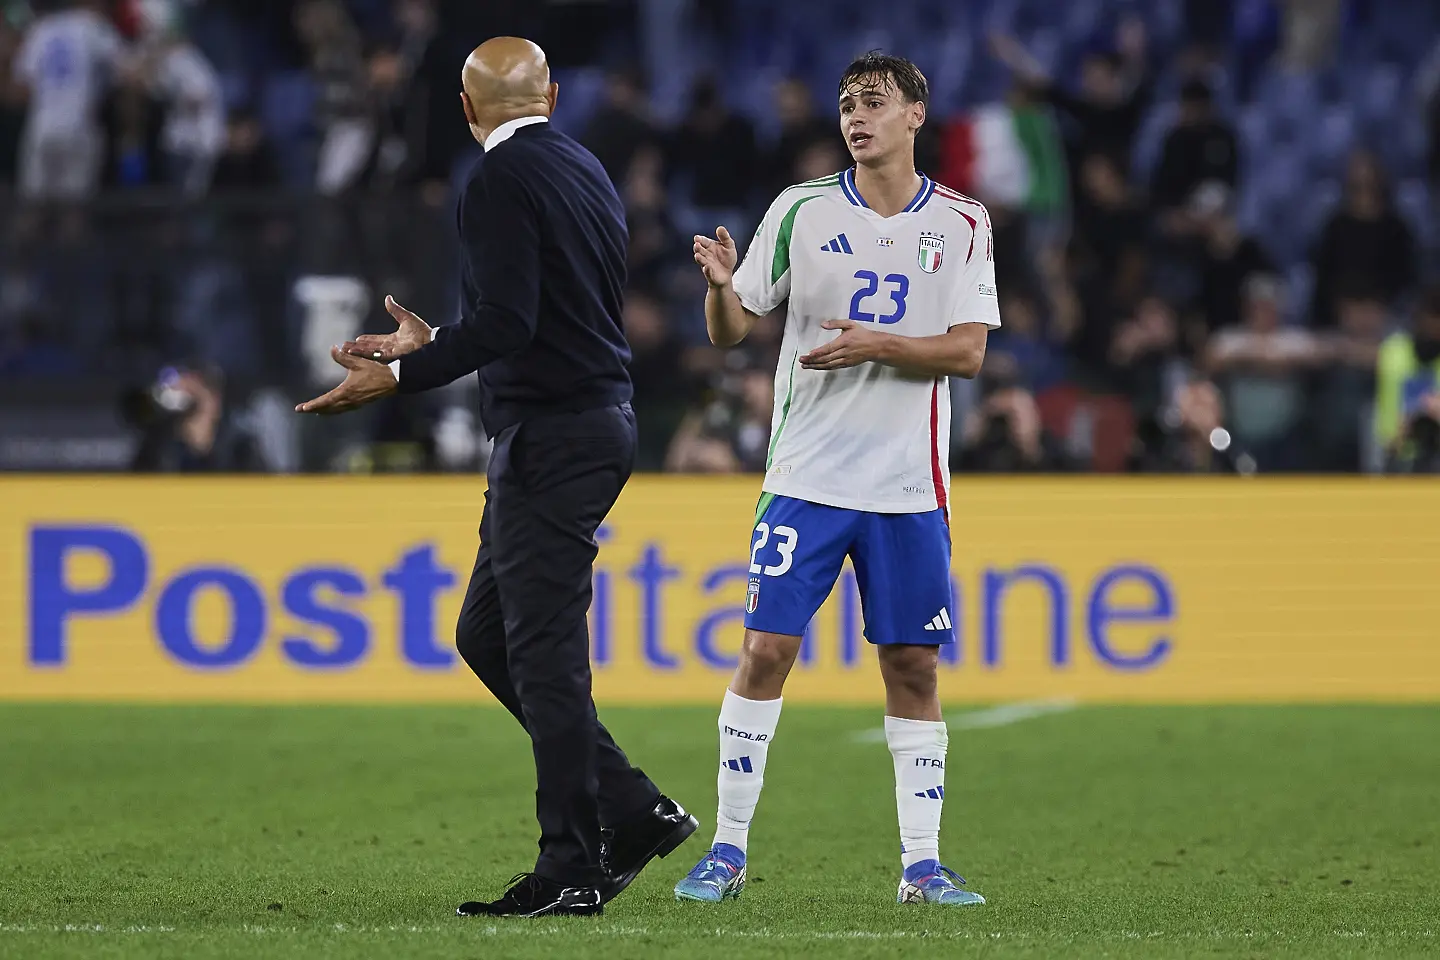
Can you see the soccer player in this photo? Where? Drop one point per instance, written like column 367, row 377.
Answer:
column 889, row 284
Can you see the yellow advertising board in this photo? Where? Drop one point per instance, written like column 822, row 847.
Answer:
column 347, row 589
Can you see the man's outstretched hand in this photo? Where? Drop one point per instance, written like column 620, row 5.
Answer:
column 413, row 333
column 365, row 382
column 717, row 258
column 854, row 346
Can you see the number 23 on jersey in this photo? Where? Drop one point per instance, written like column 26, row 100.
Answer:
column 897, row 287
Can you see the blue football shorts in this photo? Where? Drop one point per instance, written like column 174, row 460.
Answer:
column 902, row 567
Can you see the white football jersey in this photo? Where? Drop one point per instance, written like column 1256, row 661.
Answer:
column 867, row 437
column 66, row 60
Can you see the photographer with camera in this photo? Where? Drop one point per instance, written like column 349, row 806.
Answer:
column 1004, row 434
column 1190, row 436
column 731, row 432
column 186, row 428
column 1407, row 392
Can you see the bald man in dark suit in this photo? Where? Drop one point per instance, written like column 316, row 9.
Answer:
column 544, row 240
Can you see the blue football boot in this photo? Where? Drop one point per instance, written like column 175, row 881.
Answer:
column 930, row 882
column 720, row 875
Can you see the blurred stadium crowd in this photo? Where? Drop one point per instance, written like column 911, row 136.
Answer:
column 1215, row 239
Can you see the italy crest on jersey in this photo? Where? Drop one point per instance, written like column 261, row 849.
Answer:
column 932, row 251
column 752, row 596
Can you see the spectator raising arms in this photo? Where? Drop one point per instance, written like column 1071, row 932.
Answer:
column 1114, row 90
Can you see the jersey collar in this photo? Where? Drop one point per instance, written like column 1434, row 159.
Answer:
column 852, row 193
column 507, row 130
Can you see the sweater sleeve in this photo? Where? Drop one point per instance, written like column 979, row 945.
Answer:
column 500, row 244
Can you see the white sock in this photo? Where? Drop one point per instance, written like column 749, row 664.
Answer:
column 747, row 728
column 918, row 748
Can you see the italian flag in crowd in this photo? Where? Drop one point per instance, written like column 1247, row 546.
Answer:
column 1007, row 156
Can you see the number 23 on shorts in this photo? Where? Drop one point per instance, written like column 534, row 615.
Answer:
column 785, row 540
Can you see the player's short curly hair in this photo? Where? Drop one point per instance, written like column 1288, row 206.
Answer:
column 896, row 71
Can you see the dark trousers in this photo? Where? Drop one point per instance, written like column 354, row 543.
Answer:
column 523, row 630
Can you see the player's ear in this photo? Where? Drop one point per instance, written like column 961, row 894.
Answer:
column 917, row 114
column 551, row 95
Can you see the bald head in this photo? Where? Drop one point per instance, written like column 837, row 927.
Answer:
column 506, row 78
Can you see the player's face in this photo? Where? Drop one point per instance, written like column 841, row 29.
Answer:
column 876, row 121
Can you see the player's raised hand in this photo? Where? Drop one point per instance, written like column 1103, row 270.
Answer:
column 716, row 257
column 365, row 381
column 413, row 333
column 854, row 346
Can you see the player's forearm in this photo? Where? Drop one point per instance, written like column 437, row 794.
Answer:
column 726, row 319
column 942, row 356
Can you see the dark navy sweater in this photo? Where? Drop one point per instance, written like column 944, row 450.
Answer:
column 543, row 243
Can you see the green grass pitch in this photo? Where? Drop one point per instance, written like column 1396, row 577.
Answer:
column 317, row 832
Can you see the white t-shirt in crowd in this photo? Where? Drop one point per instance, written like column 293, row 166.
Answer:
column 66, row 60
column 195, row 113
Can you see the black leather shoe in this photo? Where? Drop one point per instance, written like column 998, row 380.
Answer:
column 625, row 850
column 532, row 896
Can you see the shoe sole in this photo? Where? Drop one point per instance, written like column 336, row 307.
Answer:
column 727, row 895
column 731, row 892
column 908, row 895
column 668, row 845
column 594, row 911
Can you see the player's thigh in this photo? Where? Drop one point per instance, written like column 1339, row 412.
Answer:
column 797, row 549
column 902, row 568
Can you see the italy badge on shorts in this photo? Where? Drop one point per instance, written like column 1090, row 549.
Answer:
column 752, row 596
column 932, row 251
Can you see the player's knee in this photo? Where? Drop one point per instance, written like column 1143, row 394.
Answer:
column 769, row 653
column 911, row 669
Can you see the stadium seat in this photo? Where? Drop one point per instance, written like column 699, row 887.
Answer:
column 1333, row 138
column 1412, row 201
column 1057, row 406
column 1290, row 95
column 1114, row 432
column 287, row 105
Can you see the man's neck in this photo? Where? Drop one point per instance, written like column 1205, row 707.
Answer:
column 499, row 115
column 889, row 186
column 489, row 140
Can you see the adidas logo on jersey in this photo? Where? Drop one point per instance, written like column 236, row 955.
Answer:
column 941, row 621
column 840, row 244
